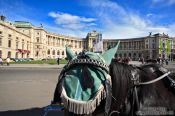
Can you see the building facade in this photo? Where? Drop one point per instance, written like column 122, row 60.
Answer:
column 23, row 40
column 149, row 47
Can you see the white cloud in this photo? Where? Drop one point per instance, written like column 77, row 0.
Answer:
column 66, row 32
column 72, row 21
column 117, row 22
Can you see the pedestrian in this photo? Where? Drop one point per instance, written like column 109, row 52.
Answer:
column 8, row 61
column 1, row 61
column 158, row 60
column 58, row 61
column 166, row 61
column 142, row 60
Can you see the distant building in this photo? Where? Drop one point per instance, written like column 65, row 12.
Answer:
column 148, row 47
column 23, row 40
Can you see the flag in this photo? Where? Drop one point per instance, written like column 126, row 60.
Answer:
column 161, row 45
column 168, row 47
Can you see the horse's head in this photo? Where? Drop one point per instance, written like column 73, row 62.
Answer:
column 83, row 79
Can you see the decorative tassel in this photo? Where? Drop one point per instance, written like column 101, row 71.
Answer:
column 84, row 107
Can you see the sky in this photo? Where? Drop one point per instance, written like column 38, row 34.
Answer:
column 115, row 19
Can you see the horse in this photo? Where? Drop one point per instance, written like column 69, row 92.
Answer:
column 84, row 84
column 126, row 89
column 145, row 90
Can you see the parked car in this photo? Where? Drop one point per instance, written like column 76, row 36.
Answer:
column 14, row 59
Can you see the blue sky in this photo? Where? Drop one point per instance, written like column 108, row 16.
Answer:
column 115, row 19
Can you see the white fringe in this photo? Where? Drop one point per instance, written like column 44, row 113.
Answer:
column 83, row 107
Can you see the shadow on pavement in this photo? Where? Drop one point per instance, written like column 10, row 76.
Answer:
column 31, row 112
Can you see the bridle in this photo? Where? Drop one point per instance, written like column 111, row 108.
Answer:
column 136, row 83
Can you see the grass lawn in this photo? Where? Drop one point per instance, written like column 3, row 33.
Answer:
column 40, row 62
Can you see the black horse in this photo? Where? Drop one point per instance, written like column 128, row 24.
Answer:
column 145, row 90
column 131, row 96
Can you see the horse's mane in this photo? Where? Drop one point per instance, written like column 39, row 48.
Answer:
column 121, row 81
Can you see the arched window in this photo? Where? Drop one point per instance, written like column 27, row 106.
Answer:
column 48, row 52
column 53, row 52
column 58, row 52
column 62, row 52
column 129, row 54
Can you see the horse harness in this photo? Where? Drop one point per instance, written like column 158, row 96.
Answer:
column 136, row 82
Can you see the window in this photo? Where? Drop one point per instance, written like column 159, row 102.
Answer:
column 37, row 39
column 22, row 43
column 62, row 52
column 36, row 53
column 58, row 52
column 140, row 54
column 53, row 52
column 16, row 55
column 9, row 43
column 0, row 41
column 0, row 53
column 10, row 35
column 17, row 44
column 0, row 32
column 27, row 55
column 9, row 54
column 134, row 55
column 62, row 42
column 80, row 44
column 48, row 52
column 153, row 45
column 28, row 45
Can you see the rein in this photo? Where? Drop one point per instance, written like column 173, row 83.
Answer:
column 154, row 80
column 137, row 83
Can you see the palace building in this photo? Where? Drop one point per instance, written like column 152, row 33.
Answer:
column 21, row 39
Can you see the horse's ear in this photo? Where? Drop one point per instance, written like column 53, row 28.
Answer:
column 70, row 54
column 109, row 54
